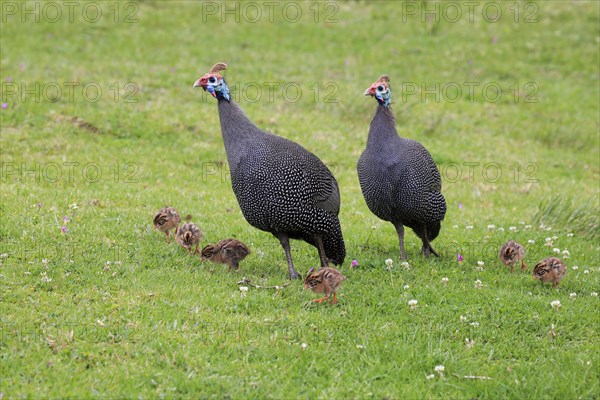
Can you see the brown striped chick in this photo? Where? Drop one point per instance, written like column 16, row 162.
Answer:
column 228, row 251
column 189, row 235
column 166, row 220
column 326, row 280
column 511, row 253
column 550, row 269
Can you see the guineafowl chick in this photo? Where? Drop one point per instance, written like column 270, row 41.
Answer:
column 189, row 235
column 326, row 280
column 228, row 251
column 511, row 253
column 398, row 178
column 281, row 187
column 166, row 220
column 550, row 269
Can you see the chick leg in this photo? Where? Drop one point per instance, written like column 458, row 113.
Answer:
column 334, row 298
column 167, row 236
column 322, row 299
column 321, row 248
column 523, row 266
column 285, row 243
column 400, row 231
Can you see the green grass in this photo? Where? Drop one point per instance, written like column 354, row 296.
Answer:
column 156, row 322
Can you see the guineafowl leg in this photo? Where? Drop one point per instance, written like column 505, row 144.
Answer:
column 285, row 242
column 321, row 248
column 400, row 230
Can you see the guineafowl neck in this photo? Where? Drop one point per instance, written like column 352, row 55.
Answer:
column 235, row 126
column 383, row 128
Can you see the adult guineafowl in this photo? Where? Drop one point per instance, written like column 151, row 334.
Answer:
column 399, row 180
column 281, row 187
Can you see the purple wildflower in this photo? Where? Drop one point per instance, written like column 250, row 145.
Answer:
column 64, row 229
column 4, row 106
column 354, row 264
column 459, row 257
column 460, row 206
column 65, row 219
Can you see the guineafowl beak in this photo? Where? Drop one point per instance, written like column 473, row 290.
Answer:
column 370, row 91
column 197, row 83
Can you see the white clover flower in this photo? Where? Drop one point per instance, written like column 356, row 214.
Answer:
column 463, row 318
column 440, row 369
column 474, row 324
column 542, row 226
column 444, row 280
column 554, row 237
column 478, row 284
column 469, row 227
column 469, row 343
column 556, row 250
column 566, row 253
column 430, row 376
column 594, row 294
column 406, row 287
column 412, row 304
column 389, row 263
column 555, row 304
column 548, row 239
column 243, row 288
column 585, row 271
column 479, row 269
column 574, row 267
column 512, row 228
column 527, row 226
column 501, row 229
column 45, row 278
column 480, row 263
column 304, row 346
column 74, row 206
column 373, row 226
column 573, row 295
column 491, row 226
column 45, row 262
column 454, row 226
column 405, row 265
column 569, row 234
column 360, row 346
column 548, row 229
column 531, row 241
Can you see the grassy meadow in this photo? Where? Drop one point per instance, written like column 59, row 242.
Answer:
column 100, row 127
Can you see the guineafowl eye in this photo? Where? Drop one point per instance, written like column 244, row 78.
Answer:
column 380, row 88
column 212, row 79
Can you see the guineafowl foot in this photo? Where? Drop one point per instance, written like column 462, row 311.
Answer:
column 427, row 250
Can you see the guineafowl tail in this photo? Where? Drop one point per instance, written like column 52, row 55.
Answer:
column 335, row 249
column 433, row 230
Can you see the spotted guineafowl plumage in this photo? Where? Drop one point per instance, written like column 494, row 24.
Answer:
column 399, row 180
column 281, row 187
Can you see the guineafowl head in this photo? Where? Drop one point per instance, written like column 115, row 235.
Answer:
column 214, row 83
column 381, row 91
